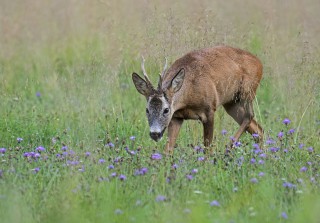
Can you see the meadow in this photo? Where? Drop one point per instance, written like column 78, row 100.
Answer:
column 74, row 138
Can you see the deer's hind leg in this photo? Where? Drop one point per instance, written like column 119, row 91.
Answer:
column 254, row 127
column 242, row 112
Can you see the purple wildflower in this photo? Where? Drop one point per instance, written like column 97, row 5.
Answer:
column 310, row 149
column 256, row 146
column 286, row 121
column 237, row 144
column 111, row 167
column 303, row 169
column 214, row 203
column 257, row 151
column 263, row 155
column 122, row 177
column 137, row 172
column 198, row 149
column 312, row 179
column 102, row 161
column 72, row 162
column 113, row 174
column 132, row 138
column 189, row 177
column 291, row 131
column 261, row 162
column 36, row 170
column 87, row 154
column 285, row 150
column 28, row 154
column 309, row 163
column 3, row 150
column 131, row 152
column 201, row 158
column 156, row 156
column 64, row 148
column 284, row 215
column 194, row 171
column 75, row 162
column 253, row 161
column 254, row 180
column 40, row 149
column 175, row 166
column 82, row 169
column 160, row 198
column 224, row 132
column 255, row 135
column 288, row 185
column 117, row 159
column 37, row 155
column 270, row 141
column 301, row 145
column 261, row 174
column 19, row 140
column 38, row 94
column 141, row 171
column 144, row 170
column 274, row 149
column 110, row 144
column 280, row 135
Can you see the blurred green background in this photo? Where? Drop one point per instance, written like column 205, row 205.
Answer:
column 65, row 76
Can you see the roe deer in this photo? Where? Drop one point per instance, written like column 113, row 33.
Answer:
column 195, row 85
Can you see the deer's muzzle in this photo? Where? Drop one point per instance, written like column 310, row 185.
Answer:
column 156, row 136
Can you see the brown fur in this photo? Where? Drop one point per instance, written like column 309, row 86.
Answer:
column 213, row 76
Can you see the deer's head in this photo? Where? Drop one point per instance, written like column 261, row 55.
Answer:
column 159, row 108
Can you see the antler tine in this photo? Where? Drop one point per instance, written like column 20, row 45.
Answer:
column 162, row 74
column 144, row 71
column 165, row 67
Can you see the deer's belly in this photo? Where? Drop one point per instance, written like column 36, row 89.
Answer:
column 190, row 114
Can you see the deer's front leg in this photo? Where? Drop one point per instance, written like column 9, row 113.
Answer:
column 173, row 131
column 208, row 129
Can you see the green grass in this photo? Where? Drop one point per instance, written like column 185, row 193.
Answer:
column 80, row 57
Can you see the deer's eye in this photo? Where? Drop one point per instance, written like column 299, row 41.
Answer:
column 147, row 111
column 166, row 111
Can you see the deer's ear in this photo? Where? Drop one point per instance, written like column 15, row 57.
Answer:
column 177, row 81
column 141, row 85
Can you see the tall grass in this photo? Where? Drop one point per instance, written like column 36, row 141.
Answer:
column 65, row 84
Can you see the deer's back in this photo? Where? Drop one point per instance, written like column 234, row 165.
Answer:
column 215, row 76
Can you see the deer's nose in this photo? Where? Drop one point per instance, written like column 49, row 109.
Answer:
column 156, row 136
